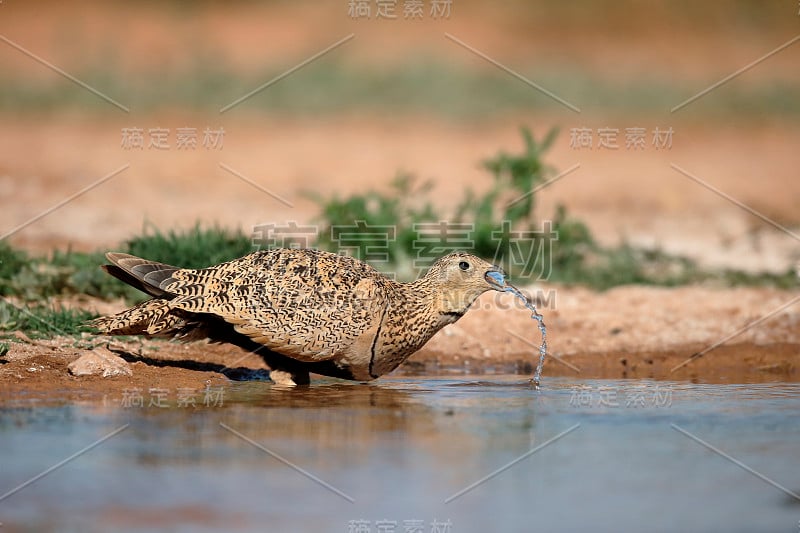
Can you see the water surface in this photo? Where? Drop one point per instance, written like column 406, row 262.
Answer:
column 484, row 453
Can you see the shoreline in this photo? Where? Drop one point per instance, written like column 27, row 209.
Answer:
column 36, row 372
column 746, row 335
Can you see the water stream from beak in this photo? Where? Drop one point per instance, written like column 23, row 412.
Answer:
column 500, row 280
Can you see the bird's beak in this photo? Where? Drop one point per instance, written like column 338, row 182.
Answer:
column 496, row 279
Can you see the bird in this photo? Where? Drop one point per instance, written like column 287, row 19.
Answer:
column 302, row 310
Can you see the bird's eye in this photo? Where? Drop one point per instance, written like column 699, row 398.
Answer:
column 463, row 265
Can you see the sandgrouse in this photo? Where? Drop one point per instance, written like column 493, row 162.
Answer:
column 302, row 310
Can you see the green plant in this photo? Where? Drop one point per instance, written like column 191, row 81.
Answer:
column 70, row 272
column 66, row 272
column 518, row 174
column 41, row 320
column 384, row 223
column 390, row 222
column 197, row 247
column 504, row 218
column 11, row 262
column 505, row 228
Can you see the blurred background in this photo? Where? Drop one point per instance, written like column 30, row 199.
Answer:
column 427, row 93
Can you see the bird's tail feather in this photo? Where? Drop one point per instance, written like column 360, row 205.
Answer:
column 150, row 277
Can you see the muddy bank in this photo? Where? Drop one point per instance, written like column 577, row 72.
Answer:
column 169, row 374
column 629, row 332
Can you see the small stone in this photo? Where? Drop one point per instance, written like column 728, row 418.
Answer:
column 102, row 362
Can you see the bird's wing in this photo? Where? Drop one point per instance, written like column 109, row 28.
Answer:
column 305, row 304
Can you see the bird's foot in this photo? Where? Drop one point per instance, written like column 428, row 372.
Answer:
column 289, row 378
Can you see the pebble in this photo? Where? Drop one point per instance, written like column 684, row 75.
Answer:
column 100, row 362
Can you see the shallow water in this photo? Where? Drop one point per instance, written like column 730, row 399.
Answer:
column 458, row 454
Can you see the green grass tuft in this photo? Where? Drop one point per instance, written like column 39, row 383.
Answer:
column 11, row 263
column 197, row 247
column 69, row 272
column 389, row 217
column 41, row 321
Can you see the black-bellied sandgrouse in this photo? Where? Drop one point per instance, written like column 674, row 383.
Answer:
column 302, row 310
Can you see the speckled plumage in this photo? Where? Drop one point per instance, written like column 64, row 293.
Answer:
column 303, row 310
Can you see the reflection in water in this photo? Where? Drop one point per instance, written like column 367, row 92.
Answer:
column 316, row 419
column 399, row 448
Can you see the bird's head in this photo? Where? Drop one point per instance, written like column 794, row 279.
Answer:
column 459, row 278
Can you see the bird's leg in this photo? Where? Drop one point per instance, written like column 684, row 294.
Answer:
column 291, row 377
column 282, row 370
